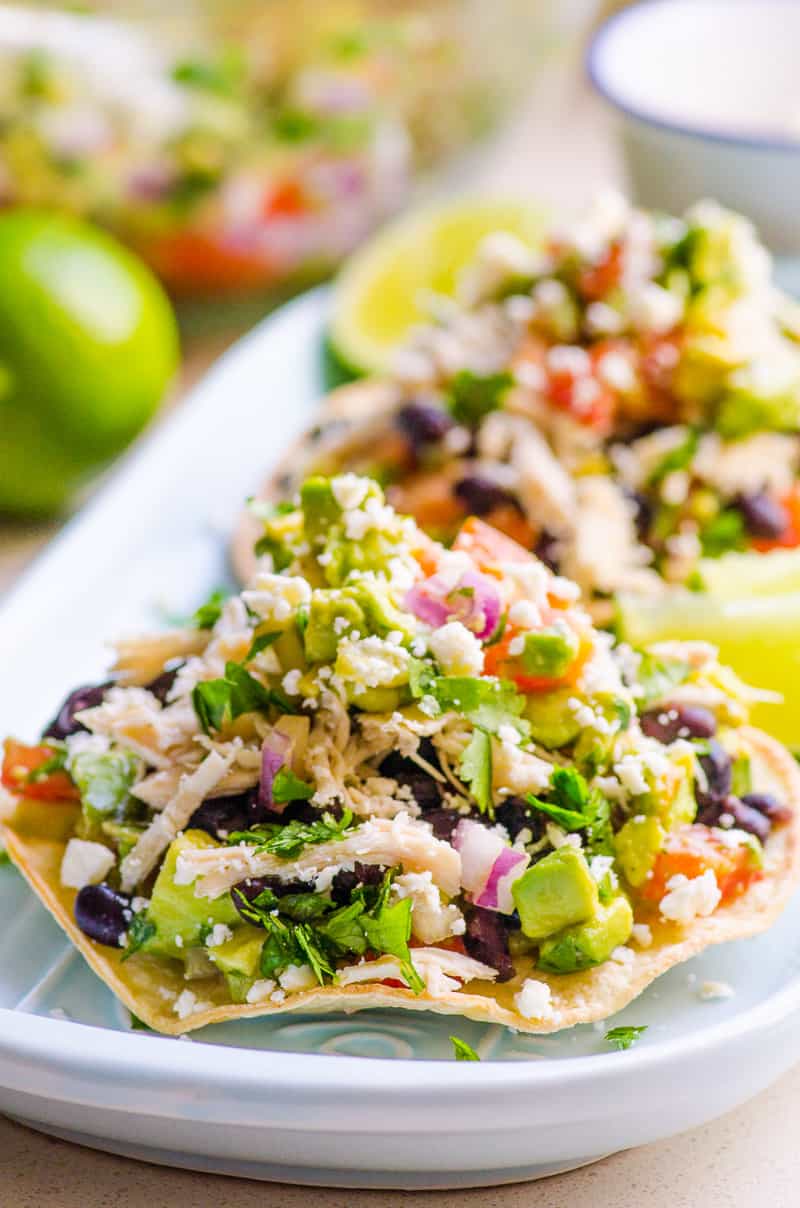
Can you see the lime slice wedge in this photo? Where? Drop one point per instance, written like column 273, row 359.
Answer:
column 740, row 576
column 378, row 294
column 759, row 637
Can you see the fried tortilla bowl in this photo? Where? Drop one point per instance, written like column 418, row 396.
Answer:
column 149, row 986
column 351, row 420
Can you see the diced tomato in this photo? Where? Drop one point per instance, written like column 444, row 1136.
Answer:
column 394, row 982
column 430, row 499
column 599, row 279
column 18, row 763
column 453, row 944
column 691, row 851
column 587, row 399
column 488, row 547
column 196, row 262
column 790, row 537
column 285, row 200
column 500, row 662
column 509, row 520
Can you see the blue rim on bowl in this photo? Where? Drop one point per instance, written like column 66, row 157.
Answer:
column 594, row 68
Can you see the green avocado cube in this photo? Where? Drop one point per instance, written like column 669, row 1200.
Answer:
column 321, row 636
column 550, row 652
column 555, row 892
column 637, row 844
column 552, row 722
column 238, row 959
column 320, row 509
column 589, row 943
column 178, row 915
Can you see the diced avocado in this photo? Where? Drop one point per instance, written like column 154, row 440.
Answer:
column 372, row 552
column 674, row 803
column 555, row 892
column 124, row 836
column 238, row 959
column 381, row 614
column 637, row 844
column 553, row 723
column 327, row 607
column 744, row 410
column 550, row 652
column 589, row 943
column 741, row 776
column 175, row 911
column 290, row 649
column 320, row 509
column 380, row 700
column 283, row 532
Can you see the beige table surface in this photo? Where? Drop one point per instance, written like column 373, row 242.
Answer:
column 560, row 150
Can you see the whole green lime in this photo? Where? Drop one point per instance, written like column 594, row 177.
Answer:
column 88, row 346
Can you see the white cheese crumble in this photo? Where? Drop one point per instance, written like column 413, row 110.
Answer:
column 533, row 1000
column 524, row 614
column 630, row 772
column 371, row 662
column 291, row 682
column 220, row 933
column 297, row 977
column 687, row 899
column 641, row 935
column 622, row 955
column 260, row 990
column 431, row 920
column 456, row 649
column 276, row 598
column 187, row 1003
column 85, row 863
column 349, row 490
column 373, row 515
column 710, row 990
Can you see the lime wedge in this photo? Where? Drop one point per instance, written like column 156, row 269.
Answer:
column 758, row 636
column 737, row 576
column 378, row 294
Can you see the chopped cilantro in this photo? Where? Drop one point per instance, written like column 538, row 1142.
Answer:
column 724, row 533
column 623, row 1037
column 219, row 701
column 210, row 611
column 475, row 769
column 676, row 459
column 421, row 677
column 472, row 396
column 486, row 702
column 5, row 858
column 140, row 931
column 287, row 841
column 261, row 641
column 137, row 1024
column 288, row 787
column 576, row 806
column 463, row 1051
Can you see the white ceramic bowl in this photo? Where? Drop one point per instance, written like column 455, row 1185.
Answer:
column 709, row 96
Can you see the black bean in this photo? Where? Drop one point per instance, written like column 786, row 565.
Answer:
column 669, row 722
column 643, row 513
column 744, row 818
column 763, row 514
column 103, row 914
column 548, row 550
column 86, row 697
column 481, row 495
column 486, row 939
column 347, row 880
column 218, row 816
column 718, row 770
column 425, row 790
column 423, row 423
column 768, row 805
column 162, row 684
column 515, row 816
column 443, row 821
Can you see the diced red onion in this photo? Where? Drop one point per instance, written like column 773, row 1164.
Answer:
column 496, row 894
column 489, row 866
column 437, row 600
column 275, row 752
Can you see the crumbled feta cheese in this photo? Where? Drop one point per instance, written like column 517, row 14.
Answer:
column 85, row 863
column 373, row 515
column 339, row 625
column 687, row 899
column 622, row 955
column 371, row 662
column 187, row 1003
column 653, row 308
column 178, row 940
column 569, row 358
column 630, row 772
column 602, row 319
column 533, row 1000
column 220, row 933
column 641, row 935
column 516, row 645
column 431, row 920
column 297, row 977
column 561, row 838
column 456, row 649
column 524, row 615
column 278, row 996
column 349, row 490
column 509, row 734
column 291, row 682
column 710, row 990
column 276, row 598
column 260, row 990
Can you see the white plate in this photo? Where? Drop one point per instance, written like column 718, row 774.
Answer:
column 296, row 1099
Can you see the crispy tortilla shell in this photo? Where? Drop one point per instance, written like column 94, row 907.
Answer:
column 351, row 419
column 149, row 986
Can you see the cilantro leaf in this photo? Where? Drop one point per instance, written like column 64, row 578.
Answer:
column 421, row 677
column 623, row 1037
column 104, row 780
column 343, row 929
column 219, row 701
column 261, row 641
column 472, row 396
column 576, row 806
column 288, row 840
column 463, row 1051
column 475, row 769
column 210, row 611
column 725, row 532
column 570, row 820
column 677, row 458
column 487, row 702
column 140, row 930
column 288, row 787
